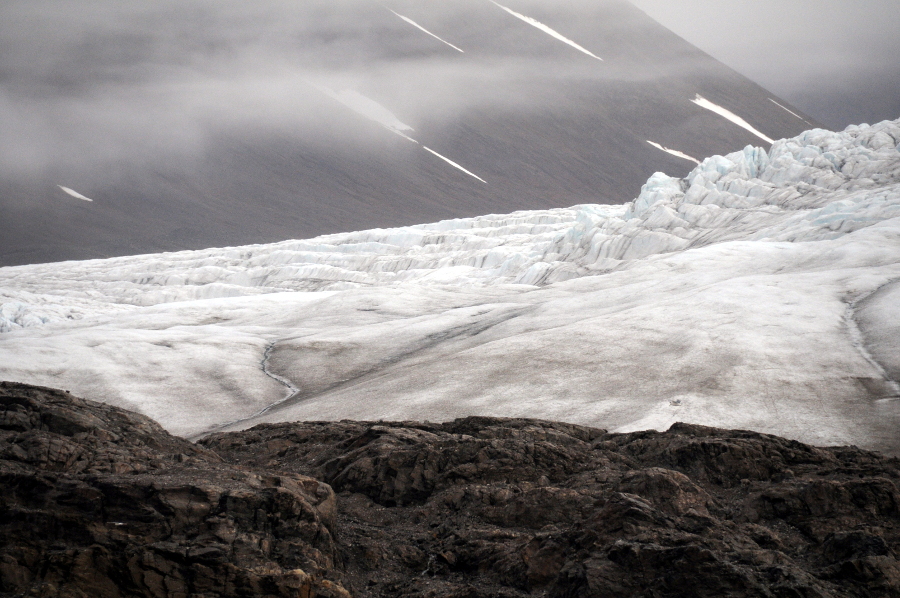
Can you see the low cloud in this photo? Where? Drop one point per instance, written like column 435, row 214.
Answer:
column 97, row 83
column 93, row 84
column 835, row 59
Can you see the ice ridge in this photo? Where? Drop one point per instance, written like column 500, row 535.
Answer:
column 817, row 186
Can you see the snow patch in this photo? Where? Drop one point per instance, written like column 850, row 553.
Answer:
column 369, row 109
column 75, row 194
column 673, row 152
column 789, row 111
column 729, row 115
column 454, row 164
column 414, row 24
column 547, row 30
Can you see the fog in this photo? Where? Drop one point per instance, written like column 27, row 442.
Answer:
column 835, row 59
column 100, row 80
column 218, row 122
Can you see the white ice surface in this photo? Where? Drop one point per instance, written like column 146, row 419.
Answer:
column 878, row 317
column 729, row 115
column 758, row 292
column 547, row 30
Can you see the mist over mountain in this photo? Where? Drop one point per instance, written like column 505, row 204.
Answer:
column 222, row 123
column 834, row 58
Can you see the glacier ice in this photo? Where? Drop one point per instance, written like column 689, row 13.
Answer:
column 757, row 292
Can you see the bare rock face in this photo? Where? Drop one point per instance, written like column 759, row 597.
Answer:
column 99, row 502
column 96, row 501
column 510, row 507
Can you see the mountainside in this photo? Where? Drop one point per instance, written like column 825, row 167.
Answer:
column 760, row 293
column 192, row 126
column 100, row 502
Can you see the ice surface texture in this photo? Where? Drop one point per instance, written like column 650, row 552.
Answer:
column 753, row 293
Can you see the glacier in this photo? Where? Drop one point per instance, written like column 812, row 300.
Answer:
column 758, row 292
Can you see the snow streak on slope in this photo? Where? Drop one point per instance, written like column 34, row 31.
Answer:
column 75, row 194
column 721, row 298
column 452, row 163
column 728, row 114
column 375, row 112
column 789, row 110
column 547, row 30
column 674, row 152
column 369, row 109
column 414, row 24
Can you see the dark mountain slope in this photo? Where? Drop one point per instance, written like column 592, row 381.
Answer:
column 194, row 125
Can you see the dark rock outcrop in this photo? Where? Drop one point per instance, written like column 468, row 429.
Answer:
column 96, row 501
column 512, row 507
column 99, row 502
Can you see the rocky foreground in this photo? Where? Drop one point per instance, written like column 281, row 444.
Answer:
column 100, row 502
